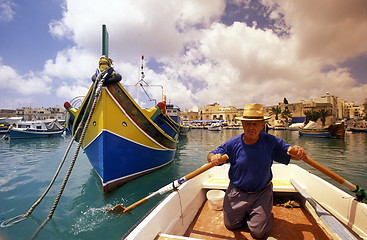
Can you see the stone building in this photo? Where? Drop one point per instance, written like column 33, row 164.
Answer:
column 29, row 113
column 338, row 108
column 188, row 116
column 215, row 112
column 6, row 113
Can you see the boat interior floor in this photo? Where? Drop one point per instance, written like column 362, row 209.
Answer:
column 289, row 222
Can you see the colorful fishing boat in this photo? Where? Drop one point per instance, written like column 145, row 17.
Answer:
column 333, row 131
column 358, row 129
column 4, row 128
column 305, row 207
column 36, row 129
column 123, row 140
column 174, row 113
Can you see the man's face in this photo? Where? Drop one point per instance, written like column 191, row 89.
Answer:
column 252, row 129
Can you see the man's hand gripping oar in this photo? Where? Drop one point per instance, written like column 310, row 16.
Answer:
column 120, row 209
column 360, row 193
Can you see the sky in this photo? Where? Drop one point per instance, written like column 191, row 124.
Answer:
column 231, row 52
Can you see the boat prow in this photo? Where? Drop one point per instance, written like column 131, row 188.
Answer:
column 121, row 139
column 123, row 142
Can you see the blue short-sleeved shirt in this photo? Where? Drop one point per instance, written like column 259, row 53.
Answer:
column 250, row 165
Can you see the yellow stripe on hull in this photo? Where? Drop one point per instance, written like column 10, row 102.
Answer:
column 109, row 116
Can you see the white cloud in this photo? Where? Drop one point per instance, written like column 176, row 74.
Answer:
column 329, row 30
column 204, row 61
column 6, row 11
column 27, row 84
column 74, row 63
column 69, row 92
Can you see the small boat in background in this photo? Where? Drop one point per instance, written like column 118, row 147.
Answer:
column 358, row 126
column 216, row 126
column 36, row 129
column 295, row 126
column 4, row 128
column 174, row 113
column 10, row 120
column 314, row 130
column 358, row 129
column 279, row 125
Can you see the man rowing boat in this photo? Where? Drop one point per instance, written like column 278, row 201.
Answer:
column 249, row 197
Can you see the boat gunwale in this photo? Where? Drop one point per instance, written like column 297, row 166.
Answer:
column 165, row 139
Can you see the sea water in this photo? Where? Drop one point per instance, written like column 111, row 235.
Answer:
column 27, row 167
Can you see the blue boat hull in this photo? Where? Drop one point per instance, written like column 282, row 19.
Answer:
column 124, row 160
column 14, row 134
column 313, row 134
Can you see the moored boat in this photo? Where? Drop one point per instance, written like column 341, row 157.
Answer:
column 305, row 207
column 10, row 120
column 216, row 126
column 4, row 127
column 294, row 126
column 36, row 129
column 124, row 140
column 333, row 131
column 279, row 125
column 174, row 113
column 358, row 129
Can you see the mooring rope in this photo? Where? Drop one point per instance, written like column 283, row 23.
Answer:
column 19, row 218
column 99, row 83
column 95, row 94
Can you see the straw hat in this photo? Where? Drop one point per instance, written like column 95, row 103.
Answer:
column 253, row 112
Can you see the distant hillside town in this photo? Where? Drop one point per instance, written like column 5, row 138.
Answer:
column 333, row 108
column 30, row 114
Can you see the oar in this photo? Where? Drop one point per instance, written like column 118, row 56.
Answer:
column 360, row 193
column 120, row 209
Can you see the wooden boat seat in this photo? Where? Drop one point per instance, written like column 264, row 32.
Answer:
column 279, row 185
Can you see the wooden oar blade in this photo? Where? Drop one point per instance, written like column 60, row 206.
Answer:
column 120, row 209
column 117, row 209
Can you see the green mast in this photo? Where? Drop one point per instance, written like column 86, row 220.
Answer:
column 104, row 40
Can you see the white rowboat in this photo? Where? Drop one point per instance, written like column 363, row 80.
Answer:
column 326, row 211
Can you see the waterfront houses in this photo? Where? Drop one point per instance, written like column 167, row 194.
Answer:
column 339, row 110
column 29, row 113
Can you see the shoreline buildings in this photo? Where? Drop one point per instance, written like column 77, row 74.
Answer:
column 339, row 109
column 29, row 114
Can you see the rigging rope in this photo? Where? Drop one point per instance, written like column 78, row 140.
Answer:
column 19, row 218
column 85, row 118
column 98, row 83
